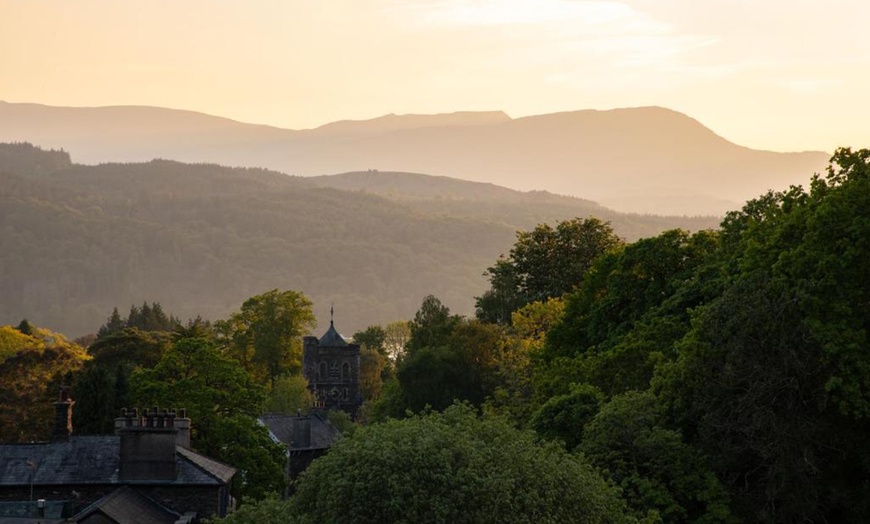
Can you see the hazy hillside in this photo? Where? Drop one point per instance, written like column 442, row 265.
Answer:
column 439, row 195
column 642, row 159
column 78, row 240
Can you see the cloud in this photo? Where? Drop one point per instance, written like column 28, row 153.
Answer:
column 583, row 17
column 557, row 39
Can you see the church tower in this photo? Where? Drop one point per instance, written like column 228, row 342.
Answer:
column 331, row 366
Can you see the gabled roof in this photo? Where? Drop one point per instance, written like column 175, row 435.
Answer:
column 127, row 505
column 94, row 460
column 281, row 426
column 209, row 465
column 331, row 338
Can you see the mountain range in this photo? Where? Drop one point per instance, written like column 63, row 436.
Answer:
column 645, row 160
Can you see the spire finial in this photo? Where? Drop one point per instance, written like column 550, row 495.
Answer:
column 331, row 313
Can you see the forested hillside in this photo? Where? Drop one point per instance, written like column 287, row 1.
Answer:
column 79, row 240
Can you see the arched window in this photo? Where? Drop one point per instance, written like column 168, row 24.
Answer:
column 345, row 393
column 345, row 371
column 323, row 373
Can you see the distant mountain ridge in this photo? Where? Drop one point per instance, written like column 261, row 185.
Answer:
column 79, row 240
column 648, row 159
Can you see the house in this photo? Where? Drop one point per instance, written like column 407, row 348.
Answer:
column 144, row 473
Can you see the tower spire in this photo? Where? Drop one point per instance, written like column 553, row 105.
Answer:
column 331, row 313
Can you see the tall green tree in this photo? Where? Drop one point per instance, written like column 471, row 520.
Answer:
column 544, row 263
column 265, row 334
column 432, row 325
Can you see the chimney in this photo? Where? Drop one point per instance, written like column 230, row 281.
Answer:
column 147, row 445
column 63, row 416
column 182, row 424
column 301, row 432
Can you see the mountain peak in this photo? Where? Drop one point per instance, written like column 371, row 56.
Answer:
column 393, row 122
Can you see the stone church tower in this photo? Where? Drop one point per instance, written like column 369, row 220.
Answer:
column 331, row 366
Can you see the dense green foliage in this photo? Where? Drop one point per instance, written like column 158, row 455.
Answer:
column 102, row 388
column 264, row 336
column 452, row 467
column 544, row 263
column 446, row 358
column 754, row 341
column 145, row 318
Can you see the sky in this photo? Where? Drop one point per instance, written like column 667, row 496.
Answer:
column 784, row 75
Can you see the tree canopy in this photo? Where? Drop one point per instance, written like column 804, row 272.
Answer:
column 544, row 263
column 452, row 467
column 265, row 334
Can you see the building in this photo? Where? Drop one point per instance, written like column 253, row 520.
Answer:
column 331, row 366
column 306, row 438
column 144, row 473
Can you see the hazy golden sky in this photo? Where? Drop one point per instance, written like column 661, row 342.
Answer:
column 774, row 74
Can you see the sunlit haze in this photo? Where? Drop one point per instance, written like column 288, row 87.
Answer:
column 780, row 75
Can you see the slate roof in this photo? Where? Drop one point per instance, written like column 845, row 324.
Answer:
column 94, row 460
column 26, row 512
column 323, row 433
column 331, row 338
column 126, row 504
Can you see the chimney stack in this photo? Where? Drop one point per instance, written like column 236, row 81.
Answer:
column 147, row 445
column 182, row 424
column 301, row 432
column 63, row 416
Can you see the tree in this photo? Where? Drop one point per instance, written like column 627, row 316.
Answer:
column 96, row 408
column 270, row 510
column 396, row 336
column 373, row 337
column 660, row 475
column 222, row 402
column 265, row 335
column 517, row 363
column 544, row 263
column 289, row 395
column 752, row 390
column 564, row 417
column 449, row 358
column 147, row 318
column 101, row 387
column 113, row 324
column 625, row 284
column 31, row 373
column 432, row 325
column 452, row 467
column 375, row 366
